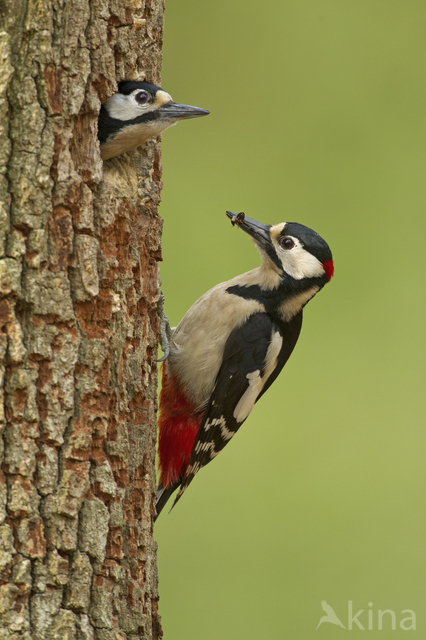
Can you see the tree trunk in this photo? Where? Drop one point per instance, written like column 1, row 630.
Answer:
column 79, row 246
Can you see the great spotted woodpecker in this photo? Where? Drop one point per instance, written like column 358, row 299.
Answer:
column 138, row 111
column 230, row 347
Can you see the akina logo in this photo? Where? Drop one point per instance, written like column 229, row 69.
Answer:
column 369, row 619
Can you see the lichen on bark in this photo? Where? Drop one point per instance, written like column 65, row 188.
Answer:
column 80, row 243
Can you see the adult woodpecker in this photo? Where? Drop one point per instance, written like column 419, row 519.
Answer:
column 138, row 111
column 230, row 347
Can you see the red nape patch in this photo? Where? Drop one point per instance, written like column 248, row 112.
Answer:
column 178, row 424
column 328, row 268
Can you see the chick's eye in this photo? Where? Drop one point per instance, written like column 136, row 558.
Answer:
column 141, row 97
column 287, row 243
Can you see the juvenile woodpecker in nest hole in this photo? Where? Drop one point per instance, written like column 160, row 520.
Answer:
column 138, row 111
column 230, row 347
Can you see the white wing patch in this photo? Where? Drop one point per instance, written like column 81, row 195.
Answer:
column 206, row 447
column 216, row 422
column 226, row 433
column 256, row 381
column 192, row 470
column 272, row 354
column 213, row 423
column 203, row 446
column 247, row 400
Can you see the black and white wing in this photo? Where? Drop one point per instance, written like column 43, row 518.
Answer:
column 253, row 357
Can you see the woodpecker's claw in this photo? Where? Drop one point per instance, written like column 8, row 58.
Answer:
column 166, row 355
column 165, row 329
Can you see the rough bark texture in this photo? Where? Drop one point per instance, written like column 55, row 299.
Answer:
column 79, row 246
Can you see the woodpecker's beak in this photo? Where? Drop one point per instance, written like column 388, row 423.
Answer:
column 174, row 111
column 258, row 231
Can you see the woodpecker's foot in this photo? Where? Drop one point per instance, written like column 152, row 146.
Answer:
column 165, row 329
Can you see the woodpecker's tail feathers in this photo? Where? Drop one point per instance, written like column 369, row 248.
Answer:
column 162, row 496
column 189, row 476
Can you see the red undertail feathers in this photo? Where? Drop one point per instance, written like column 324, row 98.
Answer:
column 178, row 427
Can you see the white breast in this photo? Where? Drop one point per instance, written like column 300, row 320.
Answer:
column 199, row 340
column 132, row 136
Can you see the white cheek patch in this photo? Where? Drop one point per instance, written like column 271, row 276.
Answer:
column 256, row 381
column 298, row 262
column 124, row 107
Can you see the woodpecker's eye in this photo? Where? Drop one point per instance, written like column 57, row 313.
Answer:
column 287, row 243
column 142, row 97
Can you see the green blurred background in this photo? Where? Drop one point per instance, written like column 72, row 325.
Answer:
column 318, row 115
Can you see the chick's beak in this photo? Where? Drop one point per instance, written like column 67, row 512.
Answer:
column 257, row 230
column 175, row 111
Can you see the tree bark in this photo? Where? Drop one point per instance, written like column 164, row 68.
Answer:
column 79, row 247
